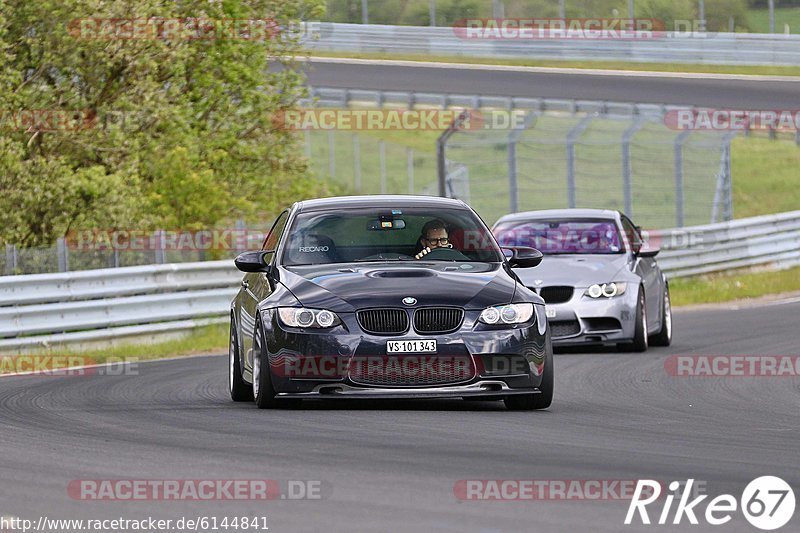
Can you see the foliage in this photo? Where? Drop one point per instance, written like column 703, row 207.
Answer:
column 179, row 133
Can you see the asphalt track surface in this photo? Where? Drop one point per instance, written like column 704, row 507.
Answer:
column 392, row 466
column 735, row 92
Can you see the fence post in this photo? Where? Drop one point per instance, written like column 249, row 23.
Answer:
column 680, row 140
column 331, row 155
column 11, row 259
column 382, row 154
column 307, row 143
column 63, row 255
column 441, row 150
column 513, row 139
column 572, row 138
column 627, row 167
column 410, row 169
column 242, row 237
column 727, row 213
column 160, row 255
column 364, row 12
column 357, row 162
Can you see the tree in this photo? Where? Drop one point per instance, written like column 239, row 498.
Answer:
column 171, row 130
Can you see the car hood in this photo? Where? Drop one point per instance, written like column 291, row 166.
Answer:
column 348, row 287
column 574, row 270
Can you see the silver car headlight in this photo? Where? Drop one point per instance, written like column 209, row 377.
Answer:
column 507, row 314
column 301, row 317
column 608, row 290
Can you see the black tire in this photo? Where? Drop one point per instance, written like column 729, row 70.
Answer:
column 664, row 337
column 533, row 402
column 263, row 392
column 240, row 390
column 640, row 341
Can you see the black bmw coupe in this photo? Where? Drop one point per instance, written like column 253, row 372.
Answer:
column 387, row 297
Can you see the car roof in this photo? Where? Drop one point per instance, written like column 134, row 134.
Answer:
column 379, row 201
column 560, row 214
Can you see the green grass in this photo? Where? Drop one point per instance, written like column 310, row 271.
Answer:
column 759, row 19
column 715, row 288
column 753, row 70
column 766, row 176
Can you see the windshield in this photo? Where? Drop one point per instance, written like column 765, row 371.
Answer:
column 387, row 234
column 553, row 237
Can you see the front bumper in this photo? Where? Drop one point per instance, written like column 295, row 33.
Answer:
column 503, row 361
column 486, row 388
column 583, row 320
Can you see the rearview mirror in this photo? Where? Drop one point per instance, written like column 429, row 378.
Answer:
column 523, row 256
column 252, row 261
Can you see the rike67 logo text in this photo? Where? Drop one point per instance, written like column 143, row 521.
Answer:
column 767, row 502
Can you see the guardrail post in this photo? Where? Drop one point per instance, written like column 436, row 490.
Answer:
column 627, row 167
column 513, row 139
column 357, row 162
column 382, row 154
column 680, row 140
column 410, row 169
column 11, row 259
column 63, row 255
column 572, row 137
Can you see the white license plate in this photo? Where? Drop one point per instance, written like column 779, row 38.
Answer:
column 549, row 313
column 415, row 346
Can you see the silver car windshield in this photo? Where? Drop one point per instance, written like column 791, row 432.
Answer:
column 567, row 236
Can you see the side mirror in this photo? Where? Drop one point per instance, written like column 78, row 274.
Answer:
column 646, row 251
column 252, row 261
column 524, row 257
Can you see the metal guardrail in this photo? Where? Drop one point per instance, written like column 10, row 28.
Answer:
column 769, row 240
column 672, row 47
column 42, row 310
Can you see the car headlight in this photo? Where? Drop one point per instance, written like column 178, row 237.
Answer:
column 507, row 314
column 609, row 290
column 300, row 317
